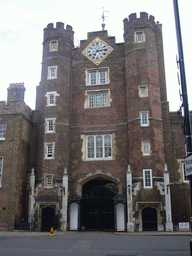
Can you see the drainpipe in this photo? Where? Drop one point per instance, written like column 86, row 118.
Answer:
column 130, row 224
column 31, row 198
column 169, row 223
column 64, row 194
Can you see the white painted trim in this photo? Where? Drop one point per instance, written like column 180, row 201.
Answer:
column 49, row 77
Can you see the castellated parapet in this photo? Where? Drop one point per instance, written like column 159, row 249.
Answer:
column 50, row 31
column 145, row 21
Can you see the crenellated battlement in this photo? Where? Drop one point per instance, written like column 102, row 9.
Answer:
column 51, row 31
column 144, row 21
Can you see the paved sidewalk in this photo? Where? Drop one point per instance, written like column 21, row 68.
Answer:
column 19, row 233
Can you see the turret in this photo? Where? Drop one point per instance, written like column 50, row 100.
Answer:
column 57, row 41
column 54, row 99
column 137, row 30
column 145, row 129
column 145, row 21
column 50, row 31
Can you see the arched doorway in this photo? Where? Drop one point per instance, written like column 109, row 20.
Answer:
column 48, row 218
column 149, row 219
column 97, row 205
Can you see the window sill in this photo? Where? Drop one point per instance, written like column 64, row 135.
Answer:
column 99, row 159
column 97, row 84
column 51, row 78
column 97, row 107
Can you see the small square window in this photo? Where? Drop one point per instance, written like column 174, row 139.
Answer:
column 147, row 178
column 51, row 98
column 53, row 46
column 2, row 130
column 144, row 116
column 143, row 91
column 52, row 72
column 50, row 125
column 49, row 150
column 146, row 148
column 139, row 37
column 48, row 181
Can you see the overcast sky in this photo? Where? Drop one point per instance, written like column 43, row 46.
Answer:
column 21, row 35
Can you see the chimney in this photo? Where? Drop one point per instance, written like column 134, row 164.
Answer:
column 16, row 92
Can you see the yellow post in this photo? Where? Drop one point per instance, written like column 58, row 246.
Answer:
column 51, row 232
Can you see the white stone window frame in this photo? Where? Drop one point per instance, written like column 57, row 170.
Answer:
column 137, row 37
column 144, row 122
column 94, row 93
column 49, row 154
column 50, row 76
column 147, row 178
column 3, row 127
column 1, row 170
column 141, row 95
column 48, row 181
column 98, row 72
column 47, row 123
column 48, row 95
column 103, row 147
column 143, row 148
column 51, row 43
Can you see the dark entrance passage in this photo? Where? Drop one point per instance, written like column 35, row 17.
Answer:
column 97, row 205
column 48, row 218
column 149, row 219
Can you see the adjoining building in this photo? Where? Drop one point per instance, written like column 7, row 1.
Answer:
column 101, row 151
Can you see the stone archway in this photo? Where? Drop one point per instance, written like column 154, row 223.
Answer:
column 149, row 219
column 98, row 175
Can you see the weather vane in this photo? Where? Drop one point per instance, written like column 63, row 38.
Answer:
column 103, row 18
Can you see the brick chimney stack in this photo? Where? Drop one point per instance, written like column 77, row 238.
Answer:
column 16, row 92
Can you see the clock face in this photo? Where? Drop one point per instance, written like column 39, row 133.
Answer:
column 97, row 50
